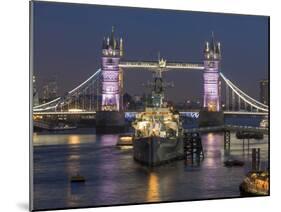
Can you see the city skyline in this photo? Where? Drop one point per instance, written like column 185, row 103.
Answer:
column 68, row 44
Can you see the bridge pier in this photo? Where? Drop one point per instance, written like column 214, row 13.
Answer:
column 248, row 146
column 256, row 159
column 211, row 118
column 110, row 122
column 227, row 139
column 193, row 148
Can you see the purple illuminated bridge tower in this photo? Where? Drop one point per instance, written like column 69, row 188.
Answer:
column 110, row 116
column 212, row 57
column 112, row 50
column 211, row 114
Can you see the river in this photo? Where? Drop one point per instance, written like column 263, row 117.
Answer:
column 113, row 177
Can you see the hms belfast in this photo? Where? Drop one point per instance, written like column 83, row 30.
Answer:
column 158, row 133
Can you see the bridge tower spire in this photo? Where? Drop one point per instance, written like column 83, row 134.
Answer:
column 212, row 58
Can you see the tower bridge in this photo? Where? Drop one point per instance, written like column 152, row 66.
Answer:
column 102, row 92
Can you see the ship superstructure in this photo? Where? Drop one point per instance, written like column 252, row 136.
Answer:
column 160, row 122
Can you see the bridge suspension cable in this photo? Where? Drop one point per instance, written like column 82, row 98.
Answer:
column 242, row 95
column 257, row 102
column 85, row 82
column 53, row 104
column 47, row 103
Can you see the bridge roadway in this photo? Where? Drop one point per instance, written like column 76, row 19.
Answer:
column 161, row 64
column 66, row 113
column 231, row 128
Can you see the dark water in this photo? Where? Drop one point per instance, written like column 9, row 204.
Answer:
column 113, row 177
column 229, row 119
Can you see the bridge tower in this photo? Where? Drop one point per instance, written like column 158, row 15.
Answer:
column 112, row 51
column 35, row 92
column 110, row 118
column 212, row 57
column 211, row 115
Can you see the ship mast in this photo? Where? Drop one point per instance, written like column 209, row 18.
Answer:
column 158, row 85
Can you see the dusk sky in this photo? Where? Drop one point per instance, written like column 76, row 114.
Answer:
column 68, row 40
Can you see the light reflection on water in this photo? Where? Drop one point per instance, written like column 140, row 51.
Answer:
column 61, row 139
column 153, row 188
column 73, row 139
column 113, row 177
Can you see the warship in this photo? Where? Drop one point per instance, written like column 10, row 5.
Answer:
column 158, row 133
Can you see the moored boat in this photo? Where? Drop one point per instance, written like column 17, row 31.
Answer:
column 249, row 135
column 125, row 140
column 230, row 163
column 256, row 183
column 77, row 179
column 49, row 126
column 264, row 123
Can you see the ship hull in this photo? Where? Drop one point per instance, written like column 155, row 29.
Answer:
column 154, row 151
